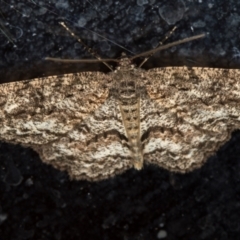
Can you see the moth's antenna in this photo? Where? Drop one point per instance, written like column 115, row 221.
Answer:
column 5, row 32
column 168, row 46
column 89, row 30
column 104, row 61
column 89, row 50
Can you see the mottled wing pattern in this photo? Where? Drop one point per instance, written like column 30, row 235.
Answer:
column 196, row 109
column 74, row 122
column 70, row 120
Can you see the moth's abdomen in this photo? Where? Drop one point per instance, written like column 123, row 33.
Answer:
column 129, row 102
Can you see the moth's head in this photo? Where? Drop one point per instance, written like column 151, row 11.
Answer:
column 125, row 62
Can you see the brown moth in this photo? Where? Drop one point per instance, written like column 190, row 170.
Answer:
column 96, row 125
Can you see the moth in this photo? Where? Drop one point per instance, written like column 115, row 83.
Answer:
column 96, row 125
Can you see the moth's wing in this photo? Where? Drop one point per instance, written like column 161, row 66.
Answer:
column 68, row 120
column 196, row 110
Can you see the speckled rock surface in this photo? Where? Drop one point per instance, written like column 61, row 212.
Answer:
column 39, row 202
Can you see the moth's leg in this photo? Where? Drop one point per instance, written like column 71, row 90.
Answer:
column 159, row 44
column 166, row 46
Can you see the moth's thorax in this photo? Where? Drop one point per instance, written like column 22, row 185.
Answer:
column 126, row 81
column 128, row 95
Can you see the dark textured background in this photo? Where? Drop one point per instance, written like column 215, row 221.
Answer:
column 39, row 202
